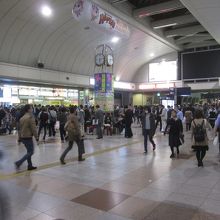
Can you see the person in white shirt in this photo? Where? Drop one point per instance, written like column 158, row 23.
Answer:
column 52, row 121
column 164, row 118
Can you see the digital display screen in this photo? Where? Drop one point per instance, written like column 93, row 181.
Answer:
column 163, row 71
column 204, row 64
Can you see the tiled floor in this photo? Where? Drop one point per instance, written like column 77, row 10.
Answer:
column 116, row 182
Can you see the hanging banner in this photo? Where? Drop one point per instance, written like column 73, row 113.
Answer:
column 88, row 12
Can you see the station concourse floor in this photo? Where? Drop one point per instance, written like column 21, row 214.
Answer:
column 116, row 182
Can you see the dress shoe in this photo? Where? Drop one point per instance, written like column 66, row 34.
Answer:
column 172, row 156
column 82, row 159
column 17, row 166
column 32, row 168
column 62, row 162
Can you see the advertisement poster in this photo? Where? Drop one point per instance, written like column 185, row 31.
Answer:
column 104, row 92
column 88, row 12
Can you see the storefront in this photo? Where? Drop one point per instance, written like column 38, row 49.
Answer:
column 14, row 95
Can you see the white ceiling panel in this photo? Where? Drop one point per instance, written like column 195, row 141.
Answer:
column 63, row 44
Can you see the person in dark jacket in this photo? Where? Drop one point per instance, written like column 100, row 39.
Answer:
column 99, row 117
column 158, row 117
column 175, row 127
column 149, row 127
column 128, row 121
column 87, row 118
column 62, row 118
column 43, row 119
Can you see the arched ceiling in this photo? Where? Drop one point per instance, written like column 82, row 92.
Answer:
column 63, row 44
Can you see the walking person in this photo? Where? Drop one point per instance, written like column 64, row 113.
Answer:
column 217, row 129
column 99, row 117
column 27, row 130
column 128, row 122
column 52, row 121
column 164, row 117
column 81, row 116
column 149, row 127
column 62, row 118
column 199, row 136
column 74, row 135
column 43, row 122
column 8, row 120
column 188, row 119
column 158, row 117
column 175, row 127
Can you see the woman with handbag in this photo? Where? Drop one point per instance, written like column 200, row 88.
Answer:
column 74, row 135
column 175, row 129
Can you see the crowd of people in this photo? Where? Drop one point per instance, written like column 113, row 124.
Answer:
column 74, row 122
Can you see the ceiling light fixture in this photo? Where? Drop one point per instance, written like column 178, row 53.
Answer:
column 117, row 78
column 165, row 25
column 115, row 39
column 152, row 55
column 46, row 11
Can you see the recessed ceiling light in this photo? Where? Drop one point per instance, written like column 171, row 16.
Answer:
column 115, row 39
column 152, row 55
column 117, row 78
column 46, row 11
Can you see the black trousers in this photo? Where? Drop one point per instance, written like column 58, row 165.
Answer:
column 159, row 121
column 52, row 129
column 80, row 145
column 188, row 126
column 62, row 132
column 147, row 134
column 42, row 126
column 128, row 131
column 200, row 154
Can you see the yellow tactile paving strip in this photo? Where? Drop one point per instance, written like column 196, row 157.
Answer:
column 54, row 164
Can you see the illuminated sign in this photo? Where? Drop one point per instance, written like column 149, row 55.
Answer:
column 163, row 71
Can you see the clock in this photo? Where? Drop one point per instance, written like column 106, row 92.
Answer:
column 99, row 59
column 110, row 60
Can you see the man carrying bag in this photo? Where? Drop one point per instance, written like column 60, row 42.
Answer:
column 74, row 135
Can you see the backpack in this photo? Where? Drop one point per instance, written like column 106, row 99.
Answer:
column 52, row 119
column 212, row 114
column 199, row 132
column 72, row 129
column 43, row 116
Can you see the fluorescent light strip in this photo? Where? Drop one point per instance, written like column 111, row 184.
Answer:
column 165, row 25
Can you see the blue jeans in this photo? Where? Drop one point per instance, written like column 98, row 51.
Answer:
column 28, row 143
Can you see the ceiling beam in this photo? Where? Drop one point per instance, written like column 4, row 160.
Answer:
column 184, row 19
column 201, row 44
column 136, row 24
column 158, row 9
column 187, row 31
column 194, row 39
column 118, row 1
